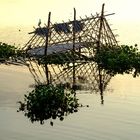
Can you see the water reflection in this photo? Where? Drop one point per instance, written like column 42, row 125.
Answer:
column 120, row 114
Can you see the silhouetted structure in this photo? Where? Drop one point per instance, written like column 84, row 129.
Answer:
column 63, row 53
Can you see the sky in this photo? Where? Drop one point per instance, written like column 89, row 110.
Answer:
column 28, row 12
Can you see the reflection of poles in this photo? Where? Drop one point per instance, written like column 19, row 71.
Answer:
column 74, row 80
column 98, row 50
column 46, row 48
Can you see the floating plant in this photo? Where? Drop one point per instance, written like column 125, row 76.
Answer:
column 48, row 102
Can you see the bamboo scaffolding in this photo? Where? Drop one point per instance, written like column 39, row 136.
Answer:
column 73, row 45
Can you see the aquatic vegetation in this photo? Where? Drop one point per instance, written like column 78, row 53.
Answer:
column 10, row 52
column 119, row 60
column 49, row 102
column 6, row 51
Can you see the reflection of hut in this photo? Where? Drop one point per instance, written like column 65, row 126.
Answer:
column 70, row 48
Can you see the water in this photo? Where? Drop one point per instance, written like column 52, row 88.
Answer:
column 117, row 119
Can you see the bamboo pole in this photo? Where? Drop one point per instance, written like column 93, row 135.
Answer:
column 74, row 79
column 98, row 50
column 46, row 48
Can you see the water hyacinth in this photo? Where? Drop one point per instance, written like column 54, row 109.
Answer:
column 6, row 51
column 119, row 60
column 48, row 102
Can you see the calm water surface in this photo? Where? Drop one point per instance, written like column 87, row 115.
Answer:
column 117, row 119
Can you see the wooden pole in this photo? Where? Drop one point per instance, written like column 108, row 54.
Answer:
column 74, row 26
column 46, row 48
column 98, row 50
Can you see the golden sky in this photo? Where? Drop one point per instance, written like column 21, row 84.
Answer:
column 28, row 12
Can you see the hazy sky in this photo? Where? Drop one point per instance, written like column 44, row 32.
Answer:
column 27, row 12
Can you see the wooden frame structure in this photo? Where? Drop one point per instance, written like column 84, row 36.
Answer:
column 64, row 52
